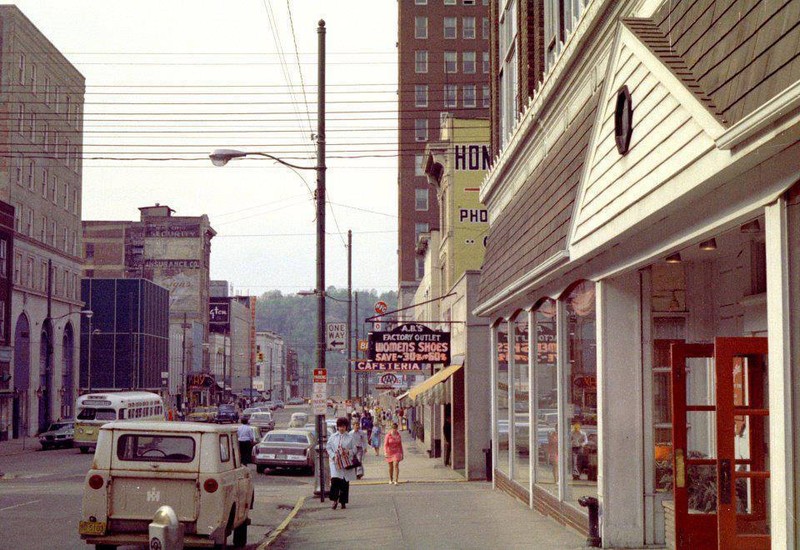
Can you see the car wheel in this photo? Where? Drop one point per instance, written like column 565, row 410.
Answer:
column 84, row 450
column 240, row 536
column 45, row 446
column 260, row 468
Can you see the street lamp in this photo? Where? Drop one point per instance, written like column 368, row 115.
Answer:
column 45, row 382
column 220, row 157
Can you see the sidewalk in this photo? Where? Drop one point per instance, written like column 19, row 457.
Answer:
column 19, row 446
column 432, row 507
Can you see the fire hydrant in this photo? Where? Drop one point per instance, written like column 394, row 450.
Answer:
column 593, row 505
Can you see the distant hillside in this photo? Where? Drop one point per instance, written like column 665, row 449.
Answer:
column 294, row 317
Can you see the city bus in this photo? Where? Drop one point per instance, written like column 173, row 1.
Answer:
column 95, row 409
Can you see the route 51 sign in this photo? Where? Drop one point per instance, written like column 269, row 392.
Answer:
column 336, row 336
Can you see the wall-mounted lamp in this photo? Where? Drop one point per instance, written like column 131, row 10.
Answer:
column 674, row 258
column 751, row 227
column 710, row 244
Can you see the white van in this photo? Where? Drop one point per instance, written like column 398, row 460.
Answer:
column 140, row 466
column 298, row 420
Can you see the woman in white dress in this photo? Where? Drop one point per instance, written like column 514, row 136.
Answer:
column 341, row 477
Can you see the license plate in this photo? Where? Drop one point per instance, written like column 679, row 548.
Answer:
column 92, row 527
column 280, row 457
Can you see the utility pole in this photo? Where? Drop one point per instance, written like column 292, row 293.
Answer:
column 321, row 240
column 357, row 353
column 349, row 313
column 183, row 365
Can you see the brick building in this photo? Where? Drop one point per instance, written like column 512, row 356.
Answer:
column 443, row 53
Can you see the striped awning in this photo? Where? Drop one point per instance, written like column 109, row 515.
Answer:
column 432, row 382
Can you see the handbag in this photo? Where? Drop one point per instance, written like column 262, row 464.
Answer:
column 355, row 463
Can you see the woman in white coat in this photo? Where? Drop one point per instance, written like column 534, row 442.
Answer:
column 341, row 477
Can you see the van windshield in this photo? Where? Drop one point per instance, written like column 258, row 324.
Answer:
column 89, row 413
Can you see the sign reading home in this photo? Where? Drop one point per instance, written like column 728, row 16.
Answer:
column 409, row 343
column 472, row 157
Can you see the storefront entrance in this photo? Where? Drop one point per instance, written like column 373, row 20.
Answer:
column 720, row 444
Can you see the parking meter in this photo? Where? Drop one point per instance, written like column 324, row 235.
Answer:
column 165, row 532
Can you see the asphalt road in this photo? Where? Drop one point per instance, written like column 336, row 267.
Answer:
column 40, row 497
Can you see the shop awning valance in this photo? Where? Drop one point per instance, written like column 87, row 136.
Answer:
column 431, row 382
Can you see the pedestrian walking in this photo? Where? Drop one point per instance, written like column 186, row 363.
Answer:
column 247, row 438
column 375, row 438
column 446, row 432
column 341, row 452
column 577, row 439
column 393, row 451
column 361, row 442
column 366, row 424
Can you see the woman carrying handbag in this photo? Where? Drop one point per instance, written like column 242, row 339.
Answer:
column 342, row 458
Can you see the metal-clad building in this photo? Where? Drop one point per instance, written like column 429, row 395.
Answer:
column 126, row 341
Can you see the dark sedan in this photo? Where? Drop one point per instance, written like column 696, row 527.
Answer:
column 227, row 414
column 59, row 434
column 285, row 449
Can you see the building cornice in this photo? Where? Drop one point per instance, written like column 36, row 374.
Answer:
column 766, row 115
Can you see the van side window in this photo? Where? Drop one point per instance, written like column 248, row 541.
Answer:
column 224, row 448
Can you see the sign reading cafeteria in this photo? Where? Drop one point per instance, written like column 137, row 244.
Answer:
column 376, row 366
column 409, row 343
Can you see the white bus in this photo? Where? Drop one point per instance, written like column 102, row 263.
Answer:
column 95, row 409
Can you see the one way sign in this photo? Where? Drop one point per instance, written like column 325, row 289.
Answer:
column 337, row 336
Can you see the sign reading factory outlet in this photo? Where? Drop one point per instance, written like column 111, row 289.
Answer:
column 409, row 344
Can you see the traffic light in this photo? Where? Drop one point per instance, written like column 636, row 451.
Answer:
column 260, row 355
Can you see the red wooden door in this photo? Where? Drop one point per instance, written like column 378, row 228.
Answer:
column 694, row 445
column 742, row 443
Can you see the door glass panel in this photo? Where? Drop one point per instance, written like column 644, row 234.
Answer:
column 701, row 434
column 701, row 485
column 502, row 463
column 752, row 504
column 700, row 386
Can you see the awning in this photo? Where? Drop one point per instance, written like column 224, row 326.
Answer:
column 431, row 382
column 402, row 395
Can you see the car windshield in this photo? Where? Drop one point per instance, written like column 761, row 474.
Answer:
column 227, row 408
column 250, row 411
column 261, row 416
column 152, row 448
column 89, row 413
column 58, row 425
column 272, row 437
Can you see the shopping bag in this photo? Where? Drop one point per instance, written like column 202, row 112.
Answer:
column 342, row 459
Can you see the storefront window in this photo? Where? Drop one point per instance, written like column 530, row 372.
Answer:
column 581, row 391
column 522, row 447
column 544, row 369
column 501, row 335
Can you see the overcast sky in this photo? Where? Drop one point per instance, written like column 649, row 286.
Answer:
column 178, row 78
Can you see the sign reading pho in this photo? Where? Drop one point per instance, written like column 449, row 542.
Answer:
column 409, row 343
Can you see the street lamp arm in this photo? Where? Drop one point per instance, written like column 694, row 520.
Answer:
column 220, row 157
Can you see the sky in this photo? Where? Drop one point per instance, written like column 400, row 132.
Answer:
column 175, row 79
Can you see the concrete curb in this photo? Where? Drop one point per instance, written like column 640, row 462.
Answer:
column 362, row 483
column 275, row 533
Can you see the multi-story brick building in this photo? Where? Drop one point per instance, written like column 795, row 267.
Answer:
column 443, row 52
column 6, row 351
column 40, row 176
column 172, row 251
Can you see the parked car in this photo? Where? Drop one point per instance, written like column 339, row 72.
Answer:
column 202, row 414
column 140, row 466
column 226, row 414
column 263, row 419
column 279, row 404
column 58, row 434
column 311, row 427
column 285, row 449
column 295, row 401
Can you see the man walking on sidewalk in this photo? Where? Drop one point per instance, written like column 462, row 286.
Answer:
column 246, row 438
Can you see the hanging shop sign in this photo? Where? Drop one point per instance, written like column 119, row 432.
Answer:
column 409, row 343
column 379, row 366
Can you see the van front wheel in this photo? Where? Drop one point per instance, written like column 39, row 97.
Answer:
column 84, row 450
column 240, row 536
